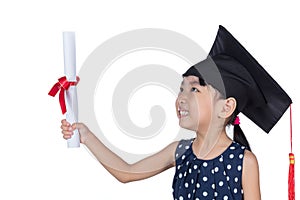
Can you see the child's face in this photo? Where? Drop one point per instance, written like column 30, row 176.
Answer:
column 194, row 105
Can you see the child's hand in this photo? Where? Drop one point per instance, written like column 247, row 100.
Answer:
column 67, row 130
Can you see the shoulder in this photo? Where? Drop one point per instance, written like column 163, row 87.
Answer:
column 178, row 145
column 250, row 167
column 250, row 176
column 183, row 148
column 184, row 143
column 250, row 160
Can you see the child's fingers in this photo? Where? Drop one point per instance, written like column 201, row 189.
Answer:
column 67, row 136
column 66, row 128
column 67, row 132
column 65, row 123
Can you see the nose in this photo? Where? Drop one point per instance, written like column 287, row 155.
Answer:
column 181, row 99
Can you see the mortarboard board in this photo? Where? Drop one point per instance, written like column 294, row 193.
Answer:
column 232, row 70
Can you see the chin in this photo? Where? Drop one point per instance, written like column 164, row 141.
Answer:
column 187, row 126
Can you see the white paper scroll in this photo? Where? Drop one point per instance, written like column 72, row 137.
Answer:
column 71, row 93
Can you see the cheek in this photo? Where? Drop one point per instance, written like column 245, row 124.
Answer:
column 204, row 108
column 176, row 104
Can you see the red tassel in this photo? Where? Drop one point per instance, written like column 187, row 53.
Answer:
column 292, row 177
column 291, row 180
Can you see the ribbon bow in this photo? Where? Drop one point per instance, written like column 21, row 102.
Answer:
column 62, row 85
column 236, row 121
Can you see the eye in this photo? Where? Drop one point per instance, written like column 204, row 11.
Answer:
column 181, row 89
column 194, row 89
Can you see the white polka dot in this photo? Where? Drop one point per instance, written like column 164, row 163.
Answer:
column 227, row 178
column 180, row 146
column 221, row 159
column 183, row 157
column 205, row 164
column 235, row 190
column 181, row 198
column 205, row 178
column 187, row 163
column 212, row 171
column 216, row 169
column 213, row 186
column 195, row 166
column 197, row 198
column 184, row 174
column 232, row 148
column 178, row 167
column 221, row 183
column 241, row 156
column 190, row 170
column 228, row 166
column 236, row 179
column 216, row 194
column 198, row 185
column 192, row 181
column 205, row 193
column 180, row 175
column 239, row 168
column 231, row 156
column 177, row 155
column 189, row 195
column 187, row 147
column 225, row 197
column 243, row 147
column 186, row 185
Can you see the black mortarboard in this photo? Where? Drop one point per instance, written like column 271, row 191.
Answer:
column 235, row 73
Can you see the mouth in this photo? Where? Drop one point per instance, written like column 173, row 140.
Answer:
column 182, row 113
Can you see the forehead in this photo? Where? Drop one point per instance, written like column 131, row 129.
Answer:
column 191, row 80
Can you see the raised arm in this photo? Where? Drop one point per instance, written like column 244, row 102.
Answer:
column 250, row 177
column 120, row 169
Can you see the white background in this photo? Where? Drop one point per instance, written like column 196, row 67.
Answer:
column 35, row 163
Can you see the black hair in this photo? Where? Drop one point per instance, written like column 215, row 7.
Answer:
column 238, row 135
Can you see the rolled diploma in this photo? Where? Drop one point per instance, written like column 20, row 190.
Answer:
column 71, row 93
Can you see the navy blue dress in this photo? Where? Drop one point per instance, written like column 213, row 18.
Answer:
column 219, row 178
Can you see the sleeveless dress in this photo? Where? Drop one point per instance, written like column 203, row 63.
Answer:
column 219, row 178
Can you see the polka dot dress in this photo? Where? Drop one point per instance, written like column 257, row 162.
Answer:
column 218, row 178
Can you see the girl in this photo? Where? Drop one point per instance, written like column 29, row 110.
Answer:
column 212, row 93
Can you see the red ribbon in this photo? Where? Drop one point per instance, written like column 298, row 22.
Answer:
column 237, row 121
column 62, row 85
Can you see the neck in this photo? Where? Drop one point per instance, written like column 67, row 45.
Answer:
column 206, row 141
column 210, row 130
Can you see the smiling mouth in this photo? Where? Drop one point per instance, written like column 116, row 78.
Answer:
column 183, row 113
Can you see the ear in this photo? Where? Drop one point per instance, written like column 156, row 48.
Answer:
column 228, row 107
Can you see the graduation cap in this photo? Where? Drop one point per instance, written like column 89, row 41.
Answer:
column 232, row 70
